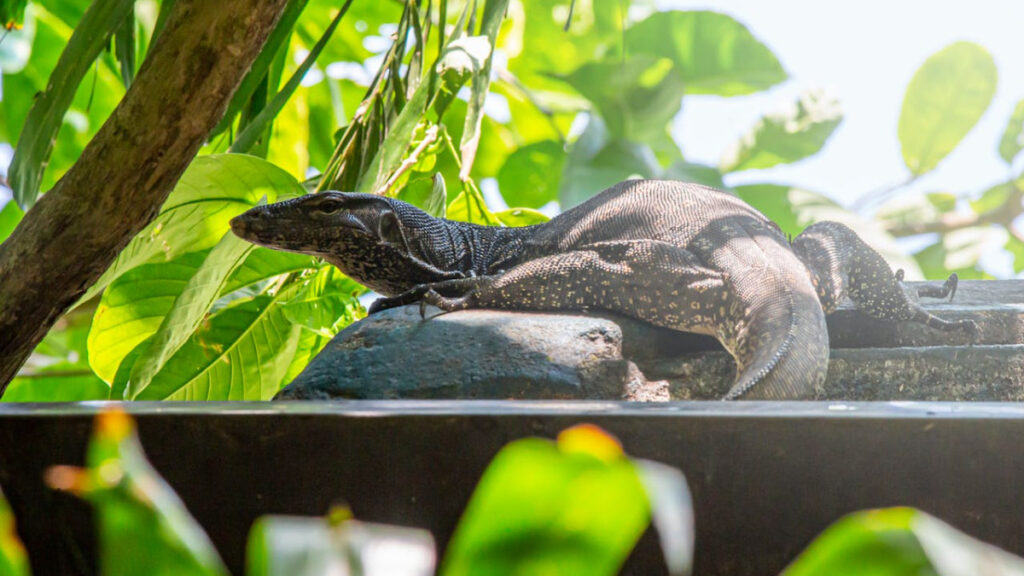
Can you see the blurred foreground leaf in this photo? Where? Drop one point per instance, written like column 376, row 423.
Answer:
column 900, row 542
column 144, row 527
column 13, row 559
column 575, row 507
column 299, row 546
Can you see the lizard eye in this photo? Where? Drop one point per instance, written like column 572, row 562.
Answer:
column 330, row 206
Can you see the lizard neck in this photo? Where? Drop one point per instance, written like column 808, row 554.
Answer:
column 483, row 250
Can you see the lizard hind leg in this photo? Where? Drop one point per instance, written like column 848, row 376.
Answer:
column 841, row 264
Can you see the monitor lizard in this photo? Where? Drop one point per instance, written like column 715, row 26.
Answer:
column 674, row 254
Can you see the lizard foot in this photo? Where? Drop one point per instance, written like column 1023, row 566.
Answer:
column 948, row 288
column 971, row 328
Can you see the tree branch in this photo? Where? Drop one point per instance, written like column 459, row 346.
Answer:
column 1004, row 215
column 116, row 188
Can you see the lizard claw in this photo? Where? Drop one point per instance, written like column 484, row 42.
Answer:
column 951, row 284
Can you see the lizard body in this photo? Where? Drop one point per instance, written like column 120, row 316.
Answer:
column 677, row 255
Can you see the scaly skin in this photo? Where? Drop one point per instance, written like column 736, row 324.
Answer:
column 677, row 255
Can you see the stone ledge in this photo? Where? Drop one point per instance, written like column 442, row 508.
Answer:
column 529, row 355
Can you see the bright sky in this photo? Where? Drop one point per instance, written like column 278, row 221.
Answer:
column 864, row 53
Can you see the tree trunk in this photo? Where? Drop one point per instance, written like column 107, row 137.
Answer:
column 70, row 237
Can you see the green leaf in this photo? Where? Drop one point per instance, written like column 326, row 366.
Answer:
column 469, row 206
column 635, row 98
column 297, row 546
column 240, row 353
column 994, row 197
column 124, row 47
column 494, row 11
column 13, row 559
column 595, row 163
column 574, row 508
column 427, row 193
column 531, row 175
column 713, row 53
column 1016, row 247
column 9, row 218
column 540, row 49
column 696, row 173
column 898, row 542
column 521, row 217
column 328, row 303
column 134, row 305
column 47, row 114
column 794, row 209
column 213, row 190
column 189, row 310
column 787, row 136
column 255, row 127
column 945, row 99
column 143, row 527
column 1012, row 141
column 960, row 252
column 276, row 43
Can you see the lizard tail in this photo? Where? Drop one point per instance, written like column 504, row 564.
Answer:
column 781, row 346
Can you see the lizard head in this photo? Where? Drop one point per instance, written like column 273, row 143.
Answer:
column 380, row 242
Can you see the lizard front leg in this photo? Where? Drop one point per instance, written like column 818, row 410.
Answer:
column 841, row 264
column 454, row 286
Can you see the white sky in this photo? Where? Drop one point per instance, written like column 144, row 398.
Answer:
column 864, row 53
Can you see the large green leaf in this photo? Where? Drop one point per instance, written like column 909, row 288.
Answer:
column 636, row 98
column 195, row 216
column 241, row 353
column 189, row 309
column 1012, row 141
column 47, row 114
column 577, row 507
column 787, row 136
column 532, row 174
column 327, row 303
column 143, row 527
column 540, row 49
column 520, row 217
column 595, row 163
column 900, row 542
column 13, row 559
column 713, row 53
column 793, row 209
column 132, row 308
column 134, row 305
column 945, row 99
